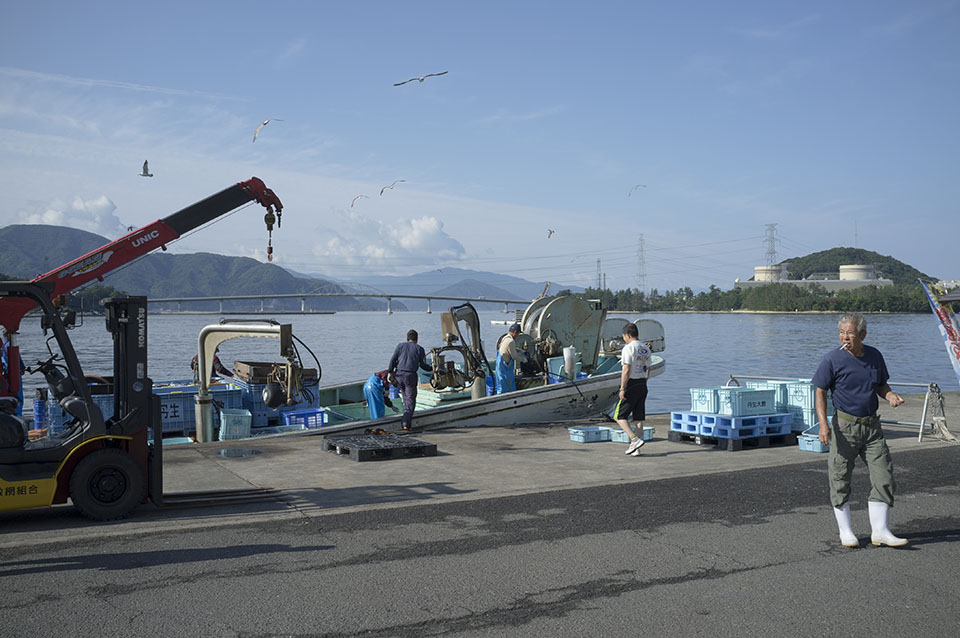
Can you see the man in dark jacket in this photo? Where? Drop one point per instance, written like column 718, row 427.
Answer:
column 406, row 359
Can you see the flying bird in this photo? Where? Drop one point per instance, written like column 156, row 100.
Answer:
column 262, row 124
column 549, row 232
column 146, row 170
column 395, row 183
column 635, row 188
column 421, row 79
column 356, row 198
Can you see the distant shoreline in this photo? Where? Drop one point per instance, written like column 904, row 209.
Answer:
column 758, row 312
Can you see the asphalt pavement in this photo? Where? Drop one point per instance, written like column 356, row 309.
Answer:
column 507, row 531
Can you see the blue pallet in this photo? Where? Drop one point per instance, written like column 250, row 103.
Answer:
column 754, row 421
column 684, row 427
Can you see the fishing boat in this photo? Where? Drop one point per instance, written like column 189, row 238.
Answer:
column 572, row 372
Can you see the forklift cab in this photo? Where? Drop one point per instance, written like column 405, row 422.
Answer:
column 102, row 466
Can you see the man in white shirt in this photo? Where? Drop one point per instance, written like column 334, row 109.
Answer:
column 635, row 361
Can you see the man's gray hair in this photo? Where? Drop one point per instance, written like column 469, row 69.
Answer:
column 855, row 318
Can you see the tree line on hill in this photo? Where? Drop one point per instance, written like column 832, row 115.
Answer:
column 772, row 297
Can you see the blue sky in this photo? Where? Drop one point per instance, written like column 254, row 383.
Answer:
column 837, row 121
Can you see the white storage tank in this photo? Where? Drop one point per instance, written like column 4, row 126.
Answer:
column 769, row 273
column 856, row 272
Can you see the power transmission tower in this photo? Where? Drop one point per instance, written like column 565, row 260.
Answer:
column 771, row 243
column 604, row 281
column 641, row 265
column 599, row 282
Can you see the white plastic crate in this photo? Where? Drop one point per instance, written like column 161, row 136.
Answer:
column 745, row 402
column 704, row 400
column 235, row 424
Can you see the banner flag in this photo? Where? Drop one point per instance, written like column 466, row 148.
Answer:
column 949, row 327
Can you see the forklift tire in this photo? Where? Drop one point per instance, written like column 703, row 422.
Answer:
column 107, row 484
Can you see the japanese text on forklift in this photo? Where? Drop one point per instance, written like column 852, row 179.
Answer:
column 106, row 467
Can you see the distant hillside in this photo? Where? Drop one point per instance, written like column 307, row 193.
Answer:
column 432, row 281
column 35, row 249
column 831, row 260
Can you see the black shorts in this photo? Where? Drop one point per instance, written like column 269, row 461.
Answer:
column 634, row 400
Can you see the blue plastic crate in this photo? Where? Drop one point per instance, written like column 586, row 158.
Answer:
column 619, row 436
column 589, row 434
column 308, row 419
column 811, row 442
column 55, row 418
column 252, row 399
column 178, row 404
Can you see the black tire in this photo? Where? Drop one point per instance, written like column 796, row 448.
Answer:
column 107, row 484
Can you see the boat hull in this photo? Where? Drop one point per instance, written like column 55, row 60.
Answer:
column 568, row 400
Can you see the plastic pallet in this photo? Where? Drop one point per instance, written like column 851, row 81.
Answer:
column 378, row 447
column 733, row 445
column 683, row 427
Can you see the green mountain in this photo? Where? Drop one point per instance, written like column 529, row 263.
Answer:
column 36, row 249
column 829, row 261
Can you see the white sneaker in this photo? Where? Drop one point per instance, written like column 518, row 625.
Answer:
column 635, row 446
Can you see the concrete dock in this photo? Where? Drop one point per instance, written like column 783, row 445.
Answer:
column 507, row 531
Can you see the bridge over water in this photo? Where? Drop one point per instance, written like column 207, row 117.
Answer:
column 180, row 301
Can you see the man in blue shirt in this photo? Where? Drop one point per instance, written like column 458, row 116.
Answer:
column 406, row 359
column 857, row 375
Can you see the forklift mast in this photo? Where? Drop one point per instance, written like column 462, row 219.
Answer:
column 127, row 323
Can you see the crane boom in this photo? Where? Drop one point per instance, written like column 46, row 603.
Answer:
column 98, row 263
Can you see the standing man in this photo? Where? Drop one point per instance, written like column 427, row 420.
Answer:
column 406, row 359
column 635, row 361
column 506, row 354
column 857, row 376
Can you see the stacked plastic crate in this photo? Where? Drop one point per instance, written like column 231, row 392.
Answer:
column 795, row 396
column 724, row 412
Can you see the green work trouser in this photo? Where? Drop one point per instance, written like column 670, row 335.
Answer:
column 859, row 437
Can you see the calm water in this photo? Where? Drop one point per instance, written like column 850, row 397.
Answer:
column 702, row 349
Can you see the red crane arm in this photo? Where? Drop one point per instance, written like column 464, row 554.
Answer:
column 104, row 260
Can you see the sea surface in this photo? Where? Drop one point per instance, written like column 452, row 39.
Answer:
column 702, row 349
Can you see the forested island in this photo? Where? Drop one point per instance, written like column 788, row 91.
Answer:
column 773, row 297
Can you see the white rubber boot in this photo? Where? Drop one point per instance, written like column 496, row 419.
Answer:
column 879, row 519
column 847, row 537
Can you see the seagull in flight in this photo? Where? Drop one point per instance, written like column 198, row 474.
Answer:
column 549, row 232
column 262, row 124
column 421, row 79
column 635, row 188
column 356, row 198
column 394, row 183
column 146, row 170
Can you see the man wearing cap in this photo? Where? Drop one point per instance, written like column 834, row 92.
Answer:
column 407, row 357
column 506, row 354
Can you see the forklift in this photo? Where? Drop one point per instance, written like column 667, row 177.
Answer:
column 105, row 467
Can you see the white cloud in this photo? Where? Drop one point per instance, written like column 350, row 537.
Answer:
column 93, row 215
column 400, row 244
